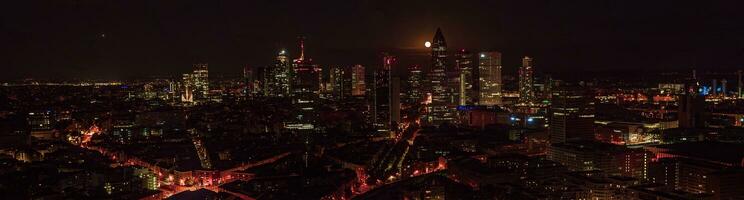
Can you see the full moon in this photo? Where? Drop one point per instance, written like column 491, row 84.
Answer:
column 427, row 44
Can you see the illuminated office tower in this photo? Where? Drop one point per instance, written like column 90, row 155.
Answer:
column 279, row 76
column 441, row 108
column 489, row 72
column 333, row 87
column 340, row 83
column 305, row 91
column 466, row 85
column 572, row 115
column 357, row 80
column 526, row 85
column 187, row 95
column 196, row 83
column 723, row 87
column 383, row 95
column 201, row 81
column 415, row 84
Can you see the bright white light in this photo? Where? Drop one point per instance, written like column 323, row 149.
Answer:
column 427, row 44
column 483, row 55
column 282, row 52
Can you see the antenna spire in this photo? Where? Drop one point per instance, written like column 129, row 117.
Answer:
column 302, row 48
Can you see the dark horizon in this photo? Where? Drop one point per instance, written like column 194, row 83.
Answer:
column 120, row 40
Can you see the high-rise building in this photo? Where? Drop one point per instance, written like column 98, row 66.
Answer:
column 340, row 83
column 416, row 91
column 358, row 88
column 489, row 80
column 306, row 76
column 305, row 91
column 335, row 81
column 723, row 87
column 248, row 81
column 691, row 109
column 548, row 90
column 201, row 79
column 571, row 114
column 467, row 83
column 394, row 101
column 383, row 111
column 441, row 108
column 526, row 85
column 197, row 83
column 279, row 76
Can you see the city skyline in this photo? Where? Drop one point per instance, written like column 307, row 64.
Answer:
column 352, row 100
column 114, row 40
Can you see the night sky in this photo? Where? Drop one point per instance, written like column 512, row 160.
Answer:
column 139, row 38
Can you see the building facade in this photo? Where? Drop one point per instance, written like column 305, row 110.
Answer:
column 467, row 86
column 489, row 71
column 526, row 82
column 571, row 115
column 441, row 108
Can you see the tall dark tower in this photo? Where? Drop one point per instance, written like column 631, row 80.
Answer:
column 691, row 113
column 248, row 81
column 415, row 91
column 305, row 91
column 441, row 101
column 386, row 93
column 571, row 115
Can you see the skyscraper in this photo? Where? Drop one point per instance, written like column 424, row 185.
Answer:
column 723, row 87
column 394, row 101
column 357, row 81
column 335, row 80
column 306, row 79
column 279, row 76
column 201, row 79
column 340, row 82
column 305, row 91
column 383, row 94
column 196, row 83
column 248, row 81
column 441, row 108
column 415, row 84
column 571, row 114
column 691, row 109
column 467, row 92
column 526, row 85
column 489, row 70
